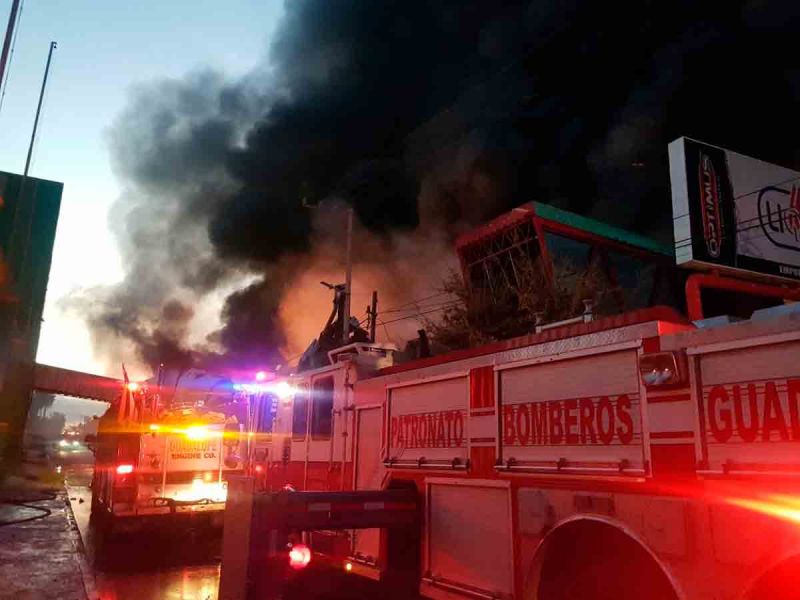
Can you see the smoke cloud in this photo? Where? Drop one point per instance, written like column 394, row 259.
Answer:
column 427, row 118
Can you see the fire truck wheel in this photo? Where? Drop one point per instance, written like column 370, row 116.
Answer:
column 590, row 560
column 779, row 583
column 94, row 515
column 106, row 525
column 97, row 507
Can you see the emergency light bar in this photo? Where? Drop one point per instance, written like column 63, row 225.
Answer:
column 196, row 432
column 192, row 432
column 282, row 389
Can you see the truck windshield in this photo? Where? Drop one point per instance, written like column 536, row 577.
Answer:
column 300, row 414
column 266, row 417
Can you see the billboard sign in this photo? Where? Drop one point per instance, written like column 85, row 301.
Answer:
column 731, row 211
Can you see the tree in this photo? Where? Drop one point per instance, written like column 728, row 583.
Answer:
column 514, row 307
column 41, row 403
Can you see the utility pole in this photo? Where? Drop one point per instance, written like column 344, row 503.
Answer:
column 12, row 21
column 373, row 316
column 348, row 273
column 348, row 277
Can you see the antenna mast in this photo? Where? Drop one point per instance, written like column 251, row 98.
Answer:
column 53, row 46
column 348, row 278
column 21, row 196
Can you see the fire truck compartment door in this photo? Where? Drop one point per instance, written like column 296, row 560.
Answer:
column 750, row 408
column 428, row 422
column 369, row 472
column 469, row 535
column 573, row 413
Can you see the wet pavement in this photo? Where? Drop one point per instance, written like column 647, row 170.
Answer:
column 39, row 557
column 176, row 563
column 180, row 564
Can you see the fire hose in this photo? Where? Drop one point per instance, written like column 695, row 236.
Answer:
column 24, row 502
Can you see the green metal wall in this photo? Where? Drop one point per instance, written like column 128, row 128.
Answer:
column 27, row 231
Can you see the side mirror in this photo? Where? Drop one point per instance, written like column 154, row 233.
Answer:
column 90, row 440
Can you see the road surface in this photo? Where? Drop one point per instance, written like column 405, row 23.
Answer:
column 180, row 565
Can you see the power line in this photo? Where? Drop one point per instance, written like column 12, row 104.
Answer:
column 415, row 301
column 686, row 242
column 770, row 185
column 749, row 224
column 421, row 307
column 414, row 316
column 386, row 331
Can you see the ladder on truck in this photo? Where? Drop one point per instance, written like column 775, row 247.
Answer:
column 258, row 526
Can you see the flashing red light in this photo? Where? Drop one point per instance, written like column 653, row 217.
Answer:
column 259, row 469
column 776, row 505
column 299, row 556
column 261, row 376
column 133, row 386
column 124, row 469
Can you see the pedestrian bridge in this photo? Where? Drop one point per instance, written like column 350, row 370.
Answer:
column 55, row 380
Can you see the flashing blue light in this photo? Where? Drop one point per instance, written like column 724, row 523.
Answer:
column 282, row 389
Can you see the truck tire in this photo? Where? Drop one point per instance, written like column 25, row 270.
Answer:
column 590, row 561
column 96, row 510
column 779, row 583
column 106, row 525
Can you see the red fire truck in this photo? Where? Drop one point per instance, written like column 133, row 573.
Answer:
column 651, row 453
column 167, row 451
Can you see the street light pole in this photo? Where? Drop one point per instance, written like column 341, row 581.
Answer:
column 348, row 276
column 53, row 46
column 21, row 197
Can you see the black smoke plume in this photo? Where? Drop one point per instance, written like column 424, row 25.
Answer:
column 427, row 117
